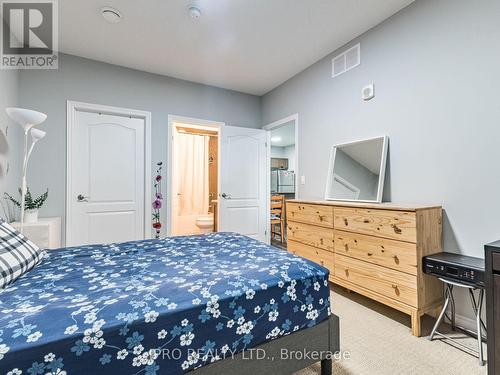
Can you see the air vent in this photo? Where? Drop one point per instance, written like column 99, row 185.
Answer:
column 346, row 60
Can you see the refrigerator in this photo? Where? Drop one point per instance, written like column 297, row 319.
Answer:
column 282, row 182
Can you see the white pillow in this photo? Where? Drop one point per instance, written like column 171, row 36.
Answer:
column 18, row 255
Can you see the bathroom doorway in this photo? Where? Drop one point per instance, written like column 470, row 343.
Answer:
column 195, row 149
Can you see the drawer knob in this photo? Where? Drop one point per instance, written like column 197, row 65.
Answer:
column 366, row 221
column 369, row 254
column 396, row 289
column 346, row 222
column 346, row 247
column 397, row 230
column 396, row 259
column 321, row 217
column 347, row 272
column 321, row 241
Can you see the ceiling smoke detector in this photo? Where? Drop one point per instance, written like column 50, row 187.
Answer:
column 194, row 11
column 111, row 15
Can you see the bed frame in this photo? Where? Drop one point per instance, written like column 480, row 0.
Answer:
column 323, row 338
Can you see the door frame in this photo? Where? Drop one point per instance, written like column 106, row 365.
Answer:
column 71, row 108
column 274, row 125
column 170, row 167
column 278, row 124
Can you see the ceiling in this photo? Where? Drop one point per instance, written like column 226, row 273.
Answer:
column 285, row 133
column 250, row 46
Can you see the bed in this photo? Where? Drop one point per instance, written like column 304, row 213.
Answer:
column 168, row 306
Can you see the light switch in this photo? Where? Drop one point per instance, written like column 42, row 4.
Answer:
column 302, row 180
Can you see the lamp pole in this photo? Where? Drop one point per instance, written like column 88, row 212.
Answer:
column 26, row 118
column 23, row 183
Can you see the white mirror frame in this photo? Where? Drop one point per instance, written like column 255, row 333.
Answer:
column 332, row 176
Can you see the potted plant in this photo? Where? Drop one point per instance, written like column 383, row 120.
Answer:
column 31, row 205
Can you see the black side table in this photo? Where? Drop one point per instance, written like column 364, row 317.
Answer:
column 476, row 307
column 461, row 271
column 492, row 259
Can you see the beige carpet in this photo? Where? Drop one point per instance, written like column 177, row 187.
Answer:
column 380, row 343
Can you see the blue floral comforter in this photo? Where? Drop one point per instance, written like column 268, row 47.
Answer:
column 155, row 306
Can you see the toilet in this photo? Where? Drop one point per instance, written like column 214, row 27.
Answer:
column 205, row 223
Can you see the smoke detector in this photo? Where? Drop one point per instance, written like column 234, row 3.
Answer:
column 194, row 11
column 111, row 15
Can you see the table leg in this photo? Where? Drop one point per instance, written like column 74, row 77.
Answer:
column 479, row 308
column 441, row 316
column 416, row 328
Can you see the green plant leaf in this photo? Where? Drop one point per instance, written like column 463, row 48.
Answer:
column 14, row 201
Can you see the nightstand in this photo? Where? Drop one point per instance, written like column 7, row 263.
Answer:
column 46, row 233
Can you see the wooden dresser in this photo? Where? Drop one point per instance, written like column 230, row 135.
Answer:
column 373, row 249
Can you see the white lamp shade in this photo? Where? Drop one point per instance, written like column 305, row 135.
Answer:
column 37, row 134
column 26, row 117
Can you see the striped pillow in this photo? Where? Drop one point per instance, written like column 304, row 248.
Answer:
column 18, row 255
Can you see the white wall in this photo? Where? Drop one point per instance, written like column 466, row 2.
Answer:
column 435, row 66
column 277, row 152
column 287, row 152
column 94, row 82
column 10, row 138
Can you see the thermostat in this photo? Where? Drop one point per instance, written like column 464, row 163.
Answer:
column 368, row 92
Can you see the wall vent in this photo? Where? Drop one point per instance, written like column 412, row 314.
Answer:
column 346, row 60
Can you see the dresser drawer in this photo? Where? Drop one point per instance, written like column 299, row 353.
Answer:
column 399, row 225
column 398, row 255
column 310, row 235
column 393, row 284
column 311, row 214
column 322, row 257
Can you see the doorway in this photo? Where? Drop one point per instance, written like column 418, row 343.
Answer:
column 107, row 144
column 194, row 177
column 283, row 170
column 241, row 204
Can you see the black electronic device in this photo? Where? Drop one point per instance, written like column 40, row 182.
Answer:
column 455, row 267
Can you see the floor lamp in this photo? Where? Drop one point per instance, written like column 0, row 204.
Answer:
column 27, row 118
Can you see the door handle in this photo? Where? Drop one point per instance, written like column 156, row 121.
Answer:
column 226, row 196
column 82, row 198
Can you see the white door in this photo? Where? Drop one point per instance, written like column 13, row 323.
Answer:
column 106, row 185
column 243, row 190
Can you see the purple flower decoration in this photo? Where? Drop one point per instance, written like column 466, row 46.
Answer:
column 157, row 202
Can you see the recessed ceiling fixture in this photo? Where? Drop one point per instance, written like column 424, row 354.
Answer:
column 194, row 11
column 111, row 15
column 275, row 139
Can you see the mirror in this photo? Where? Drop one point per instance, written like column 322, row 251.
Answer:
column 357, row 170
